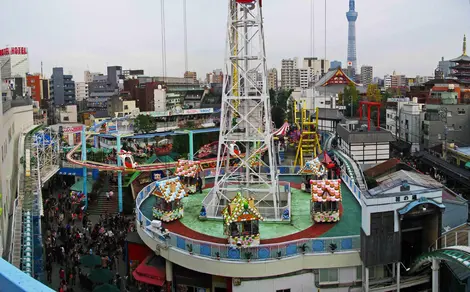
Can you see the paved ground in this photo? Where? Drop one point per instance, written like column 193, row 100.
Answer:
column 121, row 268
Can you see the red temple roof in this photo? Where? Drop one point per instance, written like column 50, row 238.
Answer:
column 334, row 77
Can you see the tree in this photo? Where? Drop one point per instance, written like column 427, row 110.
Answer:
column 350, row 93
column 373, row 93
column 278, row 115
column 144, row 124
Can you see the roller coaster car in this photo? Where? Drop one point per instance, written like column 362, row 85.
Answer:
column 127, row 159
column 234, row 150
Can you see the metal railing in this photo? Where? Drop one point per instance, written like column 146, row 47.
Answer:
column 258, row 253
column 452, row 238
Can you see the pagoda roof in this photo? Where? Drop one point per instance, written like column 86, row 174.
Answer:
column 330, row 75
column 463, row 58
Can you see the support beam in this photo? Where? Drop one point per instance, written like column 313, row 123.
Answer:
column 169, row 275
column 366, row 279
column 435, row 275
column 398, row 277
column 191, row 145
column 85, row 187
column 119, row 163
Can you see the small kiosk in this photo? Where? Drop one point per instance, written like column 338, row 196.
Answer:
column 241, row 222
column 168, row 206
column 313, row 169
column 326, row 200
column 188, row 172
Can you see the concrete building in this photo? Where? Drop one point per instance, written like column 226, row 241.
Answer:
column 159, row 95
column 35, row 85
column 445, row 66
column 411, row 116
column 14, row 64
column 16, row 116
column 132, row 73
column 290, row 75
column 367, row 147
column 272, row 79
column 104, row 87
column 319, row 67
column 62, row 87
column 387, row 81
column 121, row 106
column 399, row 81
column 66, row 114
column 445, row 120
column 191, row 75
column 367, row 75
column 392, row 121
column 89, row 76
column 81, row 91
column 336, row 64
column 216, row 76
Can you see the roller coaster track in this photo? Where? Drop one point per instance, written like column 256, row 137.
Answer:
column 452, row 247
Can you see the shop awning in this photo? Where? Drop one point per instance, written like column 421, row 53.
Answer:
column 467, row 165
column 151, row 271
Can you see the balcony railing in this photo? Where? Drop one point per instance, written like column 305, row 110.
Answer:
column 262, row 252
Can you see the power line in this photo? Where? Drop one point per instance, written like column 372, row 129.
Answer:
column 162, row 8
column 185, row 23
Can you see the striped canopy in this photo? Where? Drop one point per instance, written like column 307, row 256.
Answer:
column 282, row 131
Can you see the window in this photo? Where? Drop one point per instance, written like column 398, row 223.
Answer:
column 328, row 276
column 359, row 273
column 372, row 273
column 283, row 290
column 66, row 118
column 461, row 111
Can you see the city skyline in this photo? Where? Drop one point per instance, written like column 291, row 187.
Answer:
column 400, row 36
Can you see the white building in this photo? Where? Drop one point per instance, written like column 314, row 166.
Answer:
column 367, row 147
column 404, row 120
column 367, row 75
column 387, row 81
column 290, row 77
column 306, row 77
column 159, row 99
column 423, row 79
column 13, row 121
column 14, row 64
column 66, row 114
column 319, row 67
column 81, row 91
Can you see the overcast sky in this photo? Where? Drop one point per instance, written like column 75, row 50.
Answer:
column 408, row 36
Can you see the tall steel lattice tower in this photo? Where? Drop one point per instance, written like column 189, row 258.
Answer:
column 246, row 126
column 351, row 15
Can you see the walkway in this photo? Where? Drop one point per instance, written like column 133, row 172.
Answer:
column 358, row 174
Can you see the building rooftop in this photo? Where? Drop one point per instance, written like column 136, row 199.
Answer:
column 393, row 180
column 300, row 227
column 362, row 135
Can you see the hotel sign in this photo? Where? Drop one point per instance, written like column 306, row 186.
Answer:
column 14, row 51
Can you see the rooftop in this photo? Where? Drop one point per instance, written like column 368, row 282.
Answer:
column 362, row 135
column 300, row 227
column 390, row 181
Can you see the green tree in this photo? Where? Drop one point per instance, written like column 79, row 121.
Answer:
column 278, row 115
column 350, row 96
column 144, row 124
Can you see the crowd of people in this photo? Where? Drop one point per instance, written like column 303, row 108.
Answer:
column 69, row 237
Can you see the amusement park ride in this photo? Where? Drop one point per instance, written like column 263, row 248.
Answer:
column 309, row 142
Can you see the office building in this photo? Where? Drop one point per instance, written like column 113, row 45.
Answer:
column 335, row 64
column 132, row 73
column 104, row 87
column 272, row 79
column 367, row 75
column 14, row 64
column 62, row 87
column 81, row 91
column 387, row 81
column 319, row 67
column 290, row 74
column 191, row 75
column 90, row 75
column 216, row 76
column 66, row 114
column 445, row 66
column 34, row 83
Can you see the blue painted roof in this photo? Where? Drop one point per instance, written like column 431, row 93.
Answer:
column 13, row 280
column 418, row 202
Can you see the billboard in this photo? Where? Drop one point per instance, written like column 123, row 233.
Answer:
column 14, row 51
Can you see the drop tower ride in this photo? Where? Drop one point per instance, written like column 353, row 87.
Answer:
column 246, row 125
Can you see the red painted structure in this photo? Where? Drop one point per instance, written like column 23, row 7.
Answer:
column 370, row 104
